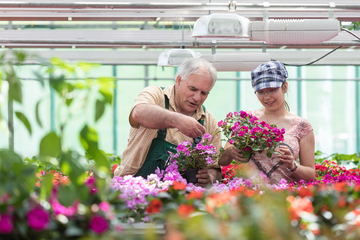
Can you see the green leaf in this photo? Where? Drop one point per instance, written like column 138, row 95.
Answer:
column 89, row 140
column 67, row 195
column 46, row 186
column 14, row 87
column 37, row 113
column 246, row 154
column 57, row 82
column 50, row 145
column 268, row 154
column 107, row 94
column 24, row 120
column 99, row 109
column 39, row 77
column 20, row 56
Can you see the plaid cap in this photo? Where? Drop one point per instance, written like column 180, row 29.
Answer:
column 268, row 75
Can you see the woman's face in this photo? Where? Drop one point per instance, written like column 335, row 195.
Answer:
column 272, row 98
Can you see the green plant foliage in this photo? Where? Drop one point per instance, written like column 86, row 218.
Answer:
column 24, row 120
column 15, row 177
column 50, row 145
column 99, row 109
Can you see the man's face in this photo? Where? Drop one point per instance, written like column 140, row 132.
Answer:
column 191, row 93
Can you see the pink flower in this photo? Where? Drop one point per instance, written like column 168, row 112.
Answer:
column 243, row 114
column 265, row 132
column 6, row 225
column 104, row 206
column 229, row 115
column 246, row 149
column 207, row 136
column 231, row 141
column 253, row 119
column 279, row 139
column 245, row 128
column 38, row 219
column 98, row 224
column 60, row 209
column 241, row 133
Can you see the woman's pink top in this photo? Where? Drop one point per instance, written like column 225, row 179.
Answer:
column 272, row 167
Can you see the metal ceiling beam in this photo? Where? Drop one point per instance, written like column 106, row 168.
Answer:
column 128, row 57
column 73, row 6
column 145, row 39
column 185, row 11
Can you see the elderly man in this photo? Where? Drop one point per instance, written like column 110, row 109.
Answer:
column 162, row 118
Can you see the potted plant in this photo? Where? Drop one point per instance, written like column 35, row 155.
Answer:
column 245, row 133
column 192, row 157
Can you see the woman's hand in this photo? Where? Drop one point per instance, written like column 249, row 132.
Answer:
column 236, row 154
column 231, row 153
column 286, row 157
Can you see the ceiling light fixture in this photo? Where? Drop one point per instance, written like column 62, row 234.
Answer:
column 174, row 57
column 273, row 31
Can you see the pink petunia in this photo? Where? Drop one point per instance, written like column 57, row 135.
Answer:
column 38, row 219
column 98, row 224
column 231, row 141
column 104, row 206
column 207, row 136
column 6, row 225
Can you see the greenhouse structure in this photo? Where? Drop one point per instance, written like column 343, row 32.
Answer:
column 71, row 70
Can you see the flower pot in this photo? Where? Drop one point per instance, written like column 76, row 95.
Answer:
column 190, row 175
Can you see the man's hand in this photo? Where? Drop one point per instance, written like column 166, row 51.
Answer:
column 203, row 177
column 189, row 126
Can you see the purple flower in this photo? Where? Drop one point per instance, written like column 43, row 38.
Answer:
column 38, row 219
column 98, row 224
column 248, row 183
column 209, row 160
column 6, row 225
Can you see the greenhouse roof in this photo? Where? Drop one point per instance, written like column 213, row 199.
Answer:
column 162, row 24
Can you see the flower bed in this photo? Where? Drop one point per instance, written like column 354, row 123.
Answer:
column 59, row 206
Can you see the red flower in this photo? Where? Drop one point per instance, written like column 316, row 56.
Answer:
column 38, row 219
column 113, row 168
column 179, row 185
column 98, row 224
column 306, row 192
column 185, row 210
column 194, row 195
column 155, row 206
column 299, row 205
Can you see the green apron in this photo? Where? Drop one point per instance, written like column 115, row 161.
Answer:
column 158, row 152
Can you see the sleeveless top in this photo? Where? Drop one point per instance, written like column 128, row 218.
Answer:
column 272, row 167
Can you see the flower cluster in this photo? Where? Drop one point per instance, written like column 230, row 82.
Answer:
column 245, row 133
column 191, row 156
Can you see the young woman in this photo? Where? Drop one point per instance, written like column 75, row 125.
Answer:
column 297, row 160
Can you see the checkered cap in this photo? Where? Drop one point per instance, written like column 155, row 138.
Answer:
column 268, row 75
